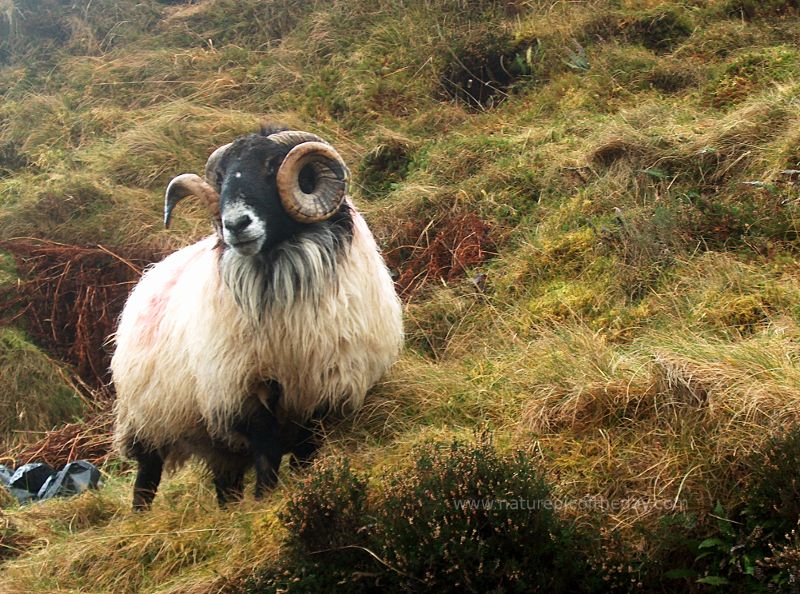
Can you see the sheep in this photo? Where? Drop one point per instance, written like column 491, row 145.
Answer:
column 229, row 349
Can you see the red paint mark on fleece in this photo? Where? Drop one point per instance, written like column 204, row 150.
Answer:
column 149, row 320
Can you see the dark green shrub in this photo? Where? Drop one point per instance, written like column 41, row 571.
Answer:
column 328, row 536
column 754, row 547
column 670, row 554
column 618, row 565
column 463, row 518
column 468, row 519
column 328, row 511
column 773, row 486
column 783, row 564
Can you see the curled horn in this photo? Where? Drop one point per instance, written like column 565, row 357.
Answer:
column 329, row 172
column 293, row 137
column 212, row 166
column 189, row 184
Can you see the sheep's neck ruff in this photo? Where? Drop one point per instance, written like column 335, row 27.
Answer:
column 329, row 353
column 295, row 273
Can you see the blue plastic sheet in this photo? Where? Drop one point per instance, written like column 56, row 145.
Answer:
column 37, row 481
column 74, row 478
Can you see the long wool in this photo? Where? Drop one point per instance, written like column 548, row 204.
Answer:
column 192, row 342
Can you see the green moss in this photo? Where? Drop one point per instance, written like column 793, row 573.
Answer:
column 561, row 301
column 33, row 392
column 557, row 255
column 745, row 309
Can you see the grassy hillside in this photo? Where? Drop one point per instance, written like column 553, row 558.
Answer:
column 592, row 212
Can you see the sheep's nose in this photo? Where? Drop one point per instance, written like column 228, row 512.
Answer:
column 239, row 224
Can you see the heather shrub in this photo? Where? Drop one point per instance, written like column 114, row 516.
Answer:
column 773, row 486
column 753, row 547
column 468, row 518
column 464, row 517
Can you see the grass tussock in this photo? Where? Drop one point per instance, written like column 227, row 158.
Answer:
column 179, row 138
column 38, row 393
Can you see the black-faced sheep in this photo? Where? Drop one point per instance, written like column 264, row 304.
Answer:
column 228, row 347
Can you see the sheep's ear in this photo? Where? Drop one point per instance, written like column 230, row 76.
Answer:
column 189, row 184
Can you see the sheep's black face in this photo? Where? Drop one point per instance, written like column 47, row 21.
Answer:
column 253, row 218
column 282, row 216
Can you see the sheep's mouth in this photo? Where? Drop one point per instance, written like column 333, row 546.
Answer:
column 244, row 242
column 247, row 247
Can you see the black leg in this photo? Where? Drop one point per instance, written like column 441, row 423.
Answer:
column 228, row 467
column 267, row 452
column 229, row 485
column 307, row 439
column 148, row 477
column 261, row 429
column 306, row 444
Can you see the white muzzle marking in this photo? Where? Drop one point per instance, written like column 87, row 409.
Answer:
column 243, row 229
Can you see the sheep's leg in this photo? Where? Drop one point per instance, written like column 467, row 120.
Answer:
column 228, row 467
column 262, row 430
column 264, row 435
column 307, row 439
column 305, row 447
column 148, row 477
column 229, row 485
